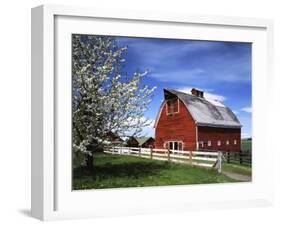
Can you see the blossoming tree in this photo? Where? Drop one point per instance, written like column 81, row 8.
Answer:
column 103, row 100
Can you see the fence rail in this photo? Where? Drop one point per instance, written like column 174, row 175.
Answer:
column 242, row 157
column 196, row 158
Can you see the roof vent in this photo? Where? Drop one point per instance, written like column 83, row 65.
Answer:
column 197, row 93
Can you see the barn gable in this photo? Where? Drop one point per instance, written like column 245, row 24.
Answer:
column 144, row 142
column 175, row 127
column 204, row 112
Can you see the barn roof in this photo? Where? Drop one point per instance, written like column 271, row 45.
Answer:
column 206, row 112
column 142, row 140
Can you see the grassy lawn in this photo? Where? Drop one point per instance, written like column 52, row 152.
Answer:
column 246, row 145
column 115, row 171
column 237, row 168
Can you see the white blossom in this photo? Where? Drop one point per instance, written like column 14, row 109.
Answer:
column 104, row 100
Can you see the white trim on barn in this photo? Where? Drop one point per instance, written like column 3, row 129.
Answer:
column 174, row 112
column 173, row 142
column 160, row 110
column 159, row 113
column 197, row 143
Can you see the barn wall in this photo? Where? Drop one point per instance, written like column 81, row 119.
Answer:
column 176, row 127
column 149, row 143
column 206, row 134
column 132, row 143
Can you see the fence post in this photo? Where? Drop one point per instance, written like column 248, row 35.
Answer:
column 151, row 150
column 190, row 157
column 219, row 162
column 168, row 154
column 240, row 157
column 139, row 151
column 228, row 157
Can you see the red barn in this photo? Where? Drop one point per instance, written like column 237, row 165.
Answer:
column 192, row 122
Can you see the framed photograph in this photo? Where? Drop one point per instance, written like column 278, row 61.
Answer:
column 137, row 112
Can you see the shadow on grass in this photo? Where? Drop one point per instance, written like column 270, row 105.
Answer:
column 127, row 171
column 122, row 169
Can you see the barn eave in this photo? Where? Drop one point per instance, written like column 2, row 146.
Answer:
column 219, row 125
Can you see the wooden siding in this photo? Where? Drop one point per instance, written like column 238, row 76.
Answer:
column 150, row 143
column 176, row 127
column 223, row 135
column 132, row 142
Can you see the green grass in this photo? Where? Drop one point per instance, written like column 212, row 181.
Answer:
column 246, row 145
column 237, row 168
column 115, row 171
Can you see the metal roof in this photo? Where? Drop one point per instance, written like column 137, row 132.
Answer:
column 142, row 140
column 206, row 112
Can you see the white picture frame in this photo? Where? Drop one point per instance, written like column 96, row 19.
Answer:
column 51, row 197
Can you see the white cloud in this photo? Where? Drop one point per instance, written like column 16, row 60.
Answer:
column 148, row 131
column 245, row 135
column 247, row 109
column 164, row 58
column 159, row 50
column 207, row 95
column 213, row 96
column 178, row 75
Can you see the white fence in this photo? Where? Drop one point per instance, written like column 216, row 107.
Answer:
column 196, row 158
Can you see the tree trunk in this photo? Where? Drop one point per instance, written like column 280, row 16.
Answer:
column 89, row 163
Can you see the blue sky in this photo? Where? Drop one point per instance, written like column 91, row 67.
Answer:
column 221, row 69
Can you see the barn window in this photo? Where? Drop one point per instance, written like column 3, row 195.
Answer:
column 180, row 145
column 235, row 142
column 201, row 144
column 171, row 146
column 219, row 143
column 175, row 145
column 227, row 142
column 172, row 106
column 209, row 143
